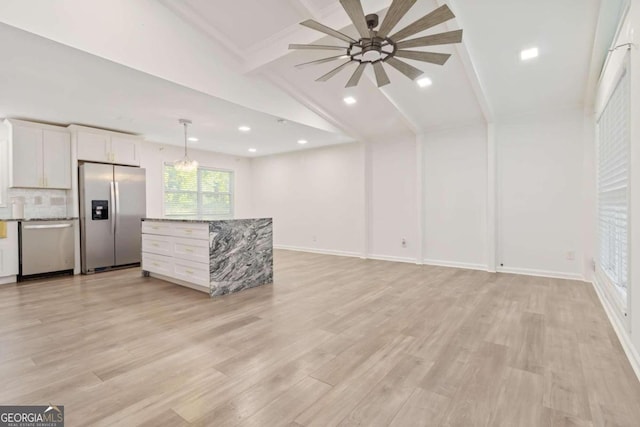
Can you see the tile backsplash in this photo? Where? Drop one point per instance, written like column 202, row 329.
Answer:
column 38, row 203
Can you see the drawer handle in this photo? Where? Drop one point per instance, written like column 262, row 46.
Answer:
column 188, row 231
column 156, row 264
column 155, row 227
column 155, row 244
column 190, row 272
column 189, row 250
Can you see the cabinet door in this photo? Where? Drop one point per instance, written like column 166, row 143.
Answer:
column 9, row 251
column 93, row 147
column 56, row 159
column 124, row 151
column 26, row 146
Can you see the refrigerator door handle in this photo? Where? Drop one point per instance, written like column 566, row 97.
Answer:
column 117, row 216
column 113, row 207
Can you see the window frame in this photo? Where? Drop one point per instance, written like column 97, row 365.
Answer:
column 199, row 193
column 623, row 308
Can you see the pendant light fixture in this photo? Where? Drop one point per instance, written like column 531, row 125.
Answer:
column 185, row 164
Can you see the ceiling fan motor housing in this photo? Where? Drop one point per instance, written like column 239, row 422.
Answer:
column 372, row 20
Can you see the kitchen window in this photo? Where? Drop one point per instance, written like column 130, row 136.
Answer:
column 203, row 193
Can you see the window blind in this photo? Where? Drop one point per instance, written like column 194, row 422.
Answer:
column 613, row 151
column 203, row 193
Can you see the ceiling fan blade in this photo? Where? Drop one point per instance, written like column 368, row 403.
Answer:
column 435, row 39
column 333, row 72
column 322, row 61
column 434, row 58
column 310, row 23
column 381, row 75
column 396, row 11
column 357, row 74
column 316, row 46
column 438, row 16
column 355, row 12
column 406, row 69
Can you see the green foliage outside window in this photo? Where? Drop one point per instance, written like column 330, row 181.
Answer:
column 202, row 193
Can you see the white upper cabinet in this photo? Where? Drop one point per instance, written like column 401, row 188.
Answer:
column 40, row 156
column 95, row 145
column 125, row 151
column 56, row 159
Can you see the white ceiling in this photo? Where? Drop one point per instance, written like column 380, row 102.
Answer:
column 182, row 41
column 44, row 80
column 497, row 30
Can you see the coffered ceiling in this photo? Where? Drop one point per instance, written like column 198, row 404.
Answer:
column 236, row 51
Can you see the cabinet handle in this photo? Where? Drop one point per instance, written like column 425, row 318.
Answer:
column 155, row 244
column 188, row 231
column 189, row 250
column 156, row 264
column 189, row 271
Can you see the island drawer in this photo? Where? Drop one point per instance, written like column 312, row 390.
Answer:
column 193, row 231
column 157, row 264
column 191, row 272
column 191, row 249
column 157, row 244
column 151, row 227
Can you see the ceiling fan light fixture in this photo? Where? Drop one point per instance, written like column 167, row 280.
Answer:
column 185, row 164
column 527, row 54
column 252, row 150
column 244, row 128
column 302, row 141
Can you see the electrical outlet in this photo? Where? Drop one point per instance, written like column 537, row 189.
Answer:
column 571, row 255
column 404, row 242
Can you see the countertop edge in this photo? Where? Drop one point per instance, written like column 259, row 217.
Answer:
column 202, row 221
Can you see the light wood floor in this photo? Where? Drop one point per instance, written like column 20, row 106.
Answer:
column 336, row 341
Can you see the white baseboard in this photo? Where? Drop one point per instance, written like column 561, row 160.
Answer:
column 455, row 264
column 621, row 331
column 8, row 279
column 393, row 259
column 541, row 273
column 319, row 251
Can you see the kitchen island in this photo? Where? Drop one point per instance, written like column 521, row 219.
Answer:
column 214, row 256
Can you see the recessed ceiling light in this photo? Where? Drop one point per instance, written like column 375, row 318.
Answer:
column 193, row 139
column 244, row 128
column 527, row 54
column 350, row 100
column 252, row 150
column 424, row 82
column 302, row 141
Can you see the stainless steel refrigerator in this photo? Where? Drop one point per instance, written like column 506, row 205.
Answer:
column 112, row 202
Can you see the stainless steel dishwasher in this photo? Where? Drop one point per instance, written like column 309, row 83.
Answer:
column 46, row 247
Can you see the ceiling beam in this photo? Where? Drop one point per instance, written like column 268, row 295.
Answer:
column 465, row 56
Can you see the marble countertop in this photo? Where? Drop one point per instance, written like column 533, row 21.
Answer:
column 66, row 218
column 201, row 221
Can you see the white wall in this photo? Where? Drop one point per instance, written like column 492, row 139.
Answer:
column 455, row 197
column 154, row 155
column 539, row 183
column 316, row 198
column 393, row 203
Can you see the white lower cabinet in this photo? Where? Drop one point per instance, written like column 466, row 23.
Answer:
column 9, row 254
column 177, row 251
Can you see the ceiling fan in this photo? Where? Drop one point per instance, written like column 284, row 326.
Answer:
column 376, row 47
